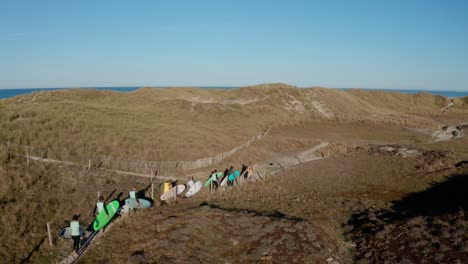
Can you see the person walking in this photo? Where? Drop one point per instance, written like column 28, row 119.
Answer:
column 214, row 181
column 243, row 169
column 99, row 206
column 190, row 182
column 231, row 176
column 75, row 234
column 173, row 187
column 133, row 195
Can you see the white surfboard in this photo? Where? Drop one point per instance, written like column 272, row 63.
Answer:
column 190, row 183
column 224, row 181
column 194, row 189
column 169, row 194
column 137, row 204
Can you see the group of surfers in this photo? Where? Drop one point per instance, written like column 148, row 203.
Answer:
column 75, row 231
column 230, row 175
column 216, row 179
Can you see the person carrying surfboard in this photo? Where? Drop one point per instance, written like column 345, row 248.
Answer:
column 100, row 206
column 173, row 187
column 214, row 181
column 244, row 168
column 231, row 176
column 133, row 195
column 248, row 170
column 190, row 182
column 75, row 234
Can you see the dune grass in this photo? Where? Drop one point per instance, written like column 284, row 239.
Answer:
column 188, row 124
column 181, row 124
column 35, row 194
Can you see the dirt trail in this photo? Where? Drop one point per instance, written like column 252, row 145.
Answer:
column 292, row 239
column 448, row 106
column 282, row 162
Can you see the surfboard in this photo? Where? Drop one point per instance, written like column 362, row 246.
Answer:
column 218, row 175
column 166, row 187
column 190, row 183
column 102, row 219
column 236, row 173
column 169, row 194
column 224, row 181
column 65, row 232
column 194, row 189
column 142, row 203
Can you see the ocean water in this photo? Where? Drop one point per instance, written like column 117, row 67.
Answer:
column 449, row 94
column 6, row 93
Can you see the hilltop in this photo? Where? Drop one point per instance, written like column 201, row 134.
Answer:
column 189, row 123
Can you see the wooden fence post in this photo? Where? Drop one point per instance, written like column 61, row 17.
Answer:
column 89, row 164
column 50, row 235
column 152, row 191
column 27, row 156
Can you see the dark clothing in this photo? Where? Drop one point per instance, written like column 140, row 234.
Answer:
column 76, row 243
column 244, row 168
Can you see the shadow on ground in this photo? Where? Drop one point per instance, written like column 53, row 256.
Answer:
column 429, row 225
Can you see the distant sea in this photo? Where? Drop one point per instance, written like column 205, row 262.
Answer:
column 6, row 93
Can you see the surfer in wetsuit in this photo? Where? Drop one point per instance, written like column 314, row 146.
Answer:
column 244, row 168
column 249, row 170
column 75, row 233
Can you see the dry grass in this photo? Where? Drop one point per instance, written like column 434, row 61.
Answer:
column 188, row 124
column 31, row 196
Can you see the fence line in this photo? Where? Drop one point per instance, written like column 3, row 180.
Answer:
column 123, row 164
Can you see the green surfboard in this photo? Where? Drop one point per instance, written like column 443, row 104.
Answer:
column 218, row 175
column 102, row 219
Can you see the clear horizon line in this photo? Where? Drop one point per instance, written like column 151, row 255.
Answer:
column 226, row 86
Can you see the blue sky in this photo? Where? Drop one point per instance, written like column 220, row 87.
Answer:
column 366, row 44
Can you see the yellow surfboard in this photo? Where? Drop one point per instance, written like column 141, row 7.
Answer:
column 166, row 187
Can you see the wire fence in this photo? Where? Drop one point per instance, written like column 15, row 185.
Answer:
column 124, row 164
